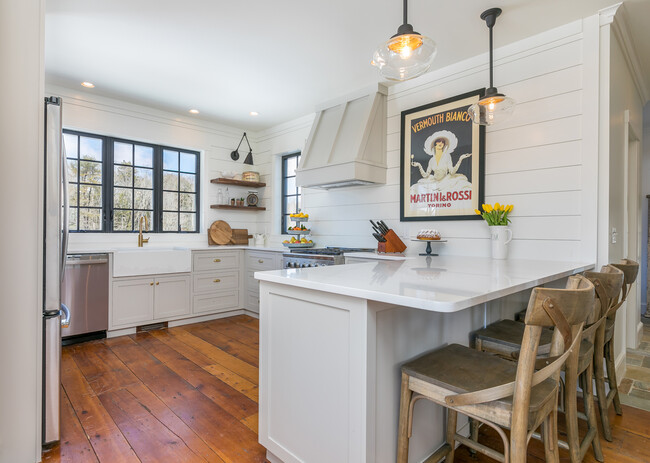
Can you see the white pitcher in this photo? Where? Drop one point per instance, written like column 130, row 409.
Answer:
column 260, row 239
column 501, row 236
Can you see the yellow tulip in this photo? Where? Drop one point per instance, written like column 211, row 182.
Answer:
column 487, row 208
column 497, row 207
column 477, row 212
column 509, row 208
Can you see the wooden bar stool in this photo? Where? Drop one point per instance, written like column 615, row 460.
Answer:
column 505, row 337
column 604, row 350
column 498, row 392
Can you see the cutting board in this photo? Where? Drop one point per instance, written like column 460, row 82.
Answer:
column 219, row 233
column 240, row 236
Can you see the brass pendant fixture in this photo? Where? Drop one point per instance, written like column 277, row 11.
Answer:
column 406, row 55
column 494, row 107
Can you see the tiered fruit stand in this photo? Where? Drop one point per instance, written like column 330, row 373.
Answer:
column 300, row 222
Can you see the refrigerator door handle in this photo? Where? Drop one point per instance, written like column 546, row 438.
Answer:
column 66, row 198
column 65, row 320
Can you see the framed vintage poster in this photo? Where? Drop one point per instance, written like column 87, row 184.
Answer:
column 442, row 161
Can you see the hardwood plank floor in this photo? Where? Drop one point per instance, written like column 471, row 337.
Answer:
column 189, row 394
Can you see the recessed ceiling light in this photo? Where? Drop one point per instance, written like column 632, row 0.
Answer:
column 88, row 84
column 254, row 113
column 194, row 111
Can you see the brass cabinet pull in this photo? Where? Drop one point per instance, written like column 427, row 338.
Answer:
column 157, row 283
column 217, row 260
column 217, row 280
column 260, row 261
column 151, row 284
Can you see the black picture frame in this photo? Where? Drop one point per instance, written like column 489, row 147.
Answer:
column 435, row 184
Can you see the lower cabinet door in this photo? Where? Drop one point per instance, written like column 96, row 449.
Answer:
column 172, row 296
column 132, row 301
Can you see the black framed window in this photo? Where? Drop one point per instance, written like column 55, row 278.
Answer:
column 179, row 190
column 85, row 156
column 133, row 185
column 291, row 194
column 158, row 182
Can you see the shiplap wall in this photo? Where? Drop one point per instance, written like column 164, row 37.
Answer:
column 536, row 160
column 105, row 116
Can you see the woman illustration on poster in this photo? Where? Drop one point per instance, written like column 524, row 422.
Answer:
column 441, row 173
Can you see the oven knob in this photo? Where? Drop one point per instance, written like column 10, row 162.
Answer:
column 303, row 265
column 291, row 265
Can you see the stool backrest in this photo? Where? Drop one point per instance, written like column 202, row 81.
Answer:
column 630, row 269
column 607, row 284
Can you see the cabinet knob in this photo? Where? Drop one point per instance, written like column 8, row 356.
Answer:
column 157, row 283
column 217, row 260
column 151, row 284
column 260, row 261
column 217, row 280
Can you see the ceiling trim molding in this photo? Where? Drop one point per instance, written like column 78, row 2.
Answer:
column 138, row 111
column 620, row 27
column 606, row 15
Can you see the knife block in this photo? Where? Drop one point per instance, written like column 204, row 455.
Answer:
column 392, row 244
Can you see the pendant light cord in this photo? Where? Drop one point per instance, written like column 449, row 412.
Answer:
column 405, row 11
column 491, row 58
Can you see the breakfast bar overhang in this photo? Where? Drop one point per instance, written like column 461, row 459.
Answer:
column 332, row 340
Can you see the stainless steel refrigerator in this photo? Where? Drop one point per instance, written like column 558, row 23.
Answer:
column 55, row 244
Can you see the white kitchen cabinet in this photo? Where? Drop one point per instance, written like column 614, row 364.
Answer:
column 144, row 300
column 132, row 302
column 257, row 261
column 171, row 296
column 216, row 277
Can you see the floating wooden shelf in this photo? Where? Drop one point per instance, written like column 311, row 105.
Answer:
column 230, row 181
column 247, row 208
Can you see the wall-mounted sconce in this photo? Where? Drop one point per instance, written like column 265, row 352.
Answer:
column 235, row 154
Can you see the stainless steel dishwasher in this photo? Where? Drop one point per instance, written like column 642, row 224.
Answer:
column 85, row 291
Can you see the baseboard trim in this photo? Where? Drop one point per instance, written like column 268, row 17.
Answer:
column 620, row 366
column 639, row 334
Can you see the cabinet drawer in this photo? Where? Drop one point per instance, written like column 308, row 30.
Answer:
column 257, row 260
column 216, row 302
column 216, row 260
column 215, row 281
column 253, row 301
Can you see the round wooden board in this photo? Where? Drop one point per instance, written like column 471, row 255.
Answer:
column 220, row 232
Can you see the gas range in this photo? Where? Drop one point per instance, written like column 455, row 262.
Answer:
column 319, row 257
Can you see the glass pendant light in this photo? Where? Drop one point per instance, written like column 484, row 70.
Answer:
column 494, row 107
column 406, row 54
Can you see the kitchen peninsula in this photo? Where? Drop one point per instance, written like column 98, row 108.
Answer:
column 332, row 340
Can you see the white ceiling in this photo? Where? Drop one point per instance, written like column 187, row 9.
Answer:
column 280, row 58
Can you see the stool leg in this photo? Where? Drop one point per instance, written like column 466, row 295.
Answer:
column 473, row 433
column 571, row 409
column 588, row 397
column 452, row 418
column 404, row 407
column 599, row 373
column 549, row 434
column 611, row 374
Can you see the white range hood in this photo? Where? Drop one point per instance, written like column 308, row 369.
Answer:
column 347, row 143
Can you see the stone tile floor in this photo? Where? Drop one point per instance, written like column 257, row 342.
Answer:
column 635, row 386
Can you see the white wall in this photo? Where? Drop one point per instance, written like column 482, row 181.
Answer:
column 542, row 160
column 623, row 97
column 90, row 113
column 21, row 142
column 645, row 190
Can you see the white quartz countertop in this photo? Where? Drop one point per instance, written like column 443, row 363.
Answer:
column 86, row 249
column 377, row 256
column 437, row 283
